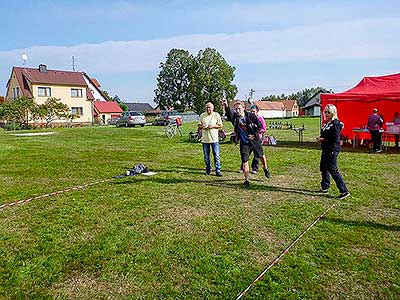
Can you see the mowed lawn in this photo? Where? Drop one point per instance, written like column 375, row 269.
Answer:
column 183, row 235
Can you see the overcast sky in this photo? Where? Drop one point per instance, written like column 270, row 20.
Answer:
column 277, row 47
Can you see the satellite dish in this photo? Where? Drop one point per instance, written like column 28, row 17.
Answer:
column 24, row 57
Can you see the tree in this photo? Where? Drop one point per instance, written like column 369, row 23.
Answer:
column 174, row 79
column 211, row 79
column 54, row 109
column 106, row 95
column 116, row 99
column 123, row 106
column 301, row 96
column 17, row 111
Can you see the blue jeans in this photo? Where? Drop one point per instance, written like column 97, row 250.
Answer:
column 206, row 152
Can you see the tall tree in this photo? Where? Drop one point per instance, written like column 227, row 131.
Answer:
column 211, row 79
column 173, row 80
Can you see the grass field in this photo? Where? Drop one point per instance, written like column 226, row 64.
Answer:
column 183, row 235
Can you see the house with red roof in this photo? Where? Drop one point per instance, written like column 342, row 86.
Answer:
column 271, row 109
column 75, row 89
column 105, row 111
column 291, row 108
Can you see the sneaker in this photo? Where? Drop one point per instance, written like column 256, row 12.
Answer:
column 218, row 174
column 253, row 171
column 378, row 151
column 208, row 172
column 246, row 184
column 323, row 191
column 343, row 195
column 267, row 174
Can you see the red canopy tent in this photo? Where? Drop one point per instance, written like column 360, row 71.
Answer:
column 355, row 105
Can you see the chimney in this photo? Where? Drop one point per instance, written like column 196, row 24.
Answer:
column 42, row 68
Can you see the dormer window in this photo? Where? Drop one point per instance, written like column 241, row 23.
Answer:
column 44, row 91
column 76, row 93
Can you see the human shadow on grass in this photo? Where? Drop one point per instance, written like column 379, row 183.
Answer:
column 228, row 183
column 363, row 224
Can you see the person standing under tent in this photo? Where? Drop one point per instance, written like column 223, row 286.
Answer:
column 330, row 145
column 374, row 126
column 396, row 122
column 246, row 126
column 210, row 122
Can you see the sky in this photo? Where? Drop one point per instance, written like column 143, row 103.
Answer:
column 276, row 46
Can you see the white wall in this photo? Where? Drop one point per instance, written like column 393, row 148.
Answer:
column 97, row 96
column 268, row 114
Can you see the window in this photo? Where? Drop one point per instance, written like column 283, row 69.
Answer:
column 77, row 111
column 44, row 91
column 15, row 93
column 76, row 93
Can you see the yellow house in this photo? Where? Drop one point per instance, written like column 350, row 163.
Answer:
column 74, row 89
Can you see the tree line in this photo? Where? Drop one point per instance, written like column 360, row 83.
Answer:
column 301, row 96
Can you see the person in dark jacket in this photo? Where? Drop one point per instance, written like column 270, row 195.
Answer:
column 374, row 125
column 330, row 145
column 247, row 128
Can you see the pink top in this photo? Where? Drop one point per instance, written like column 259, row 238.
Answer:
column 263, row 126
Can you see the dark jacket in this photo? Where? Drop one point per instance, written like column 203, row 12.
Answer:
column 253, row 125
column 331, row 134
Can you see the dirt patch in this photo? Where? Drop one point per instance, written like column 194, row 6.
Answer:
column 86, row 286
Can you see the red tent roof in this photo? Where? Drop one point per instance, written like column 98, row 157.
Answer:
column 107, row 107
column 355, row 105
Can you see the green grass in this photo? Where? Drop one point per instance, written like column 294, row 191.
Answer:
column 183, row 235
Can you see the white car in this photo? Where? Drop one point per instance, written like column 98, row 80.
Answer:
column 131, row 118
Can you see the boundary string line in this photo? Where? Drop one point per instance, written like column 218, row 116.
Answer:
column 242, row 294
column 78, row 187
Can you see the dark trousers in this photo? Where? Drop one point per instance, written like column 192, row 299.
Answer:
column 376, row 137
column 328, row 167
column 254, row 164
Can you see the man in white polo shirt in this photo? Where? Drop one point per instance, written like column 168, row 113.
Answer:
column 210, row 122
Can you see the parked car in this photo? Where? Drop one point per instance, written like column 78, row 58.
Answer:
column 166, row 117
column 131, row 118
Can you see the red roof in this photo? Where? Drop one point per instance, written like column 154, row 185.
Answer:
column 25, row 75
column 52, row 76
column 95, row 82
column 288, row 104
column 269, row 105
column 107, row 107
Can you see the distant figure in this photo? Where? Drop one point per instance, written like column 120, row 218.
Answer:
column 330, row 145
column 396, row 121
column 374, row 126
column 210, row 122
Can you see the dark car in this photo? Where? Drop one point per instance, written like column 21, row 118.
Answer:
column 166, row 117
column 131, row 118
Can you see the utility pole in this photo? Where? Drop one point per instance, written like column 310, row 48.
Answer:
column 73, row 63
column 250, row 99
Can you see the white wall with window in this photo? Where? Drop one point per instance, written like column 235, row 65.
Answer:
column 76, row 93
column 77, row 111
column 44, row 91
